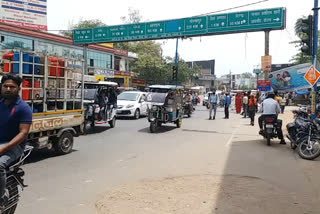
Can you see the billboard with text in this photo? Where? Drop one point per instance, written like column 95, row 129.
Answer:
column 30, row 14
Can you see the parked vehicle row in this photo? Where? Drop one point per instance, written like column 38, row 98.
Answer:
column 304, row 135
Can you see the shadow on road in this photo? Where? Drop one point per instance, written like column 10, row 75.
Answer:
column 131, row 118
column 262, row 179
column 97, row 129
column 36, row 156
column 162, row 129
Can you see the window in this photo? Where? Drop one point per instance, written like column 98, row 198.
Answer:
column 12, row 42
column 99, row 60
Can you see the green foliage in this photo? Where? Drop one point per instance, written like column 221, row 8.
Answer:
column 82, row 24
column 300, row 57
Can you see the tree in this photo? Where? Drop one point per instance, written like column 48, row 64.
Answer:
column 300, row 58
column 133, row 16
column 82, row 24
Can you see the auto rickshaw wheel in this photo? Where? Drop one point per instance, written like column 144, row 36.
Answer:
column 179, row 123
column 153, row 126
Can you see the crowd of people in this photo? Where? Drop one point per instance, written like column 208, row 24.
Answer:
column 246, row 104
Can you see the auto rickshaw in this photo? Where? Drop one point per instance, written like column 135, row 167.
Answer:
column 165, row 105
column 100, row 103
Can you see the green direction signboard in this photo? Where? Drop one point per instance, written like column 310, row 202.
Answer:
column 246, row 21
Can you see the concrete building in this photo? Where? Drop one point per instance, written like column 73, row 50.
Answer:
column 206, row 75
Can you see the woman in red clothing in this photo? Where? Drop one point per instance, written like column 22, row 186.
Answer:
column 238, row 103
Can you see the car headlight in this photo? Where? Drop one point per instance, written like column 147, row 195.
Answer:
column 129, row 106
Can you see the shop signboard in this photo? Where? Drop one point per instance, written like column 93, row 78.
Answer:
column 30, row 14
column 266, row 63
column 108, row 73
column 264, row 85
column 138, row 82
column 236, row 22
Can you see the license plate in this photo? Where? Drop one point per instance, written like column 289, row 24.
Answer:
column 269, row 126
column 119, row 112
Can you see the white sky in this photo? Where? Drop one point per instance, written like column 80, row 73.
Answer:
column 236, row 52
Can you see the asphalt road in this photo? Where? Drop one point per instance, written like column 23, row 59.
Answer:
column 129, row 153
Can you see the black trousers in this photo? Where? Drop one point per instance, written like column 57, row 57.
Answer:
column 279, row 124
column 226, row 111
column 252, row 113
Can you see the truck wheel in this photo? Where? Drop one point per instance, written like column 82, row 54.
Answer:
column 112, row 123
column 64, row 143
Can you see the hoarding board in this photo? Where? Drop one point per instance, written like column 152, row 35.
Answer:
column 245, row 21
column 30, row 14
column 290, row 79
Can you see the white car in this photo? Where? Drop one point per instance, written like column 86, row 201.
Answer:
column 132, row 104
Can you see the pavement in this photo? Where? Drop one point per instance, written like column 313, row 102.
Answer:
column 206, row 166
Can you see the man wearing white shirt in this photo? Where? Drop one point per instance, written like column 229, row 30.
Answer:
column 271, row 108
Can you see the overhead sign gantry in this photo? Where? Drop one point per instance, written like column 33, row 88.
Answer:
column 237, row 22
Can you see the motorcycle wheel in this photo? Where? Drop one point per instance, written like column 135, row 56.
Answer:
column 311, row 154
column 268, row 140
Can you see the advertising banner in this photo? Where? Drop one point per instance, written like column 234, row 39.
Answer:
column 30, row 14
column 290, row 79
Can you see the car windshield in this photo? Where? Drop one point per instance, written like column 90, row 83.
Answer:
column 128, row 96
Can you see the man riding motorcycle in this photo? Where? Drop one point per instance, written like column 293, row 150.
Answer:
column 271, row 109
column 15, row 122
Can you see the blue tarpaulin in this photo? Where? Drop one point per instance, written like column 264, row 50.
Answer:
column 302, row 92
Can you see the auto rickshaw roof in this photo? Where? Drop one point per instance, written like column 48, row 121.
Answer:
column 170, row 87
column 107, row 83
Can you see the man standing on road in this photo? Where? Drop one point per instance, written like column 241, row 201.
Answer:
column 213, row 100
column 271, row 108
column 245, row 101
column 226, row 106
column 15, row 122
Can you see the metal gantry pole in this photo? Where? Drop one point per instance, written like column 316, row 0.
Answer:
column 176, row 61
column 266, row 50
column 314, row 55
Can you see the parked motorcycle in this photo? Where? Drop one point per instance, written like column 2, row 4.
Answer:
column 304, row 136
column 15, row 183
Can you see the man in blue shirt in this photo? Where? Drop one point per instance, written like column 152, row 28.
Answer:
column 16, row 119
column 226, row 106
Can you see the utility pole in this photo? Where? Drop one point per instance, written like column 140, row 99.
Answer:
column 230, row 80
column 314, row 55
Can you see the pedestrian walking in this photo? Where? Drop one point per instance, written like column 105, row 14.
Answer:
column 252, row 108
column 213, row 100
column 245, row 101
column 283, row 102
column 226, row 106
column 238, row 103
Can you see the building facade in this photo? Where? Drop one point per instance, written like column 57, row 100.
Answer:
column 103, row 62
column 206, row 75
